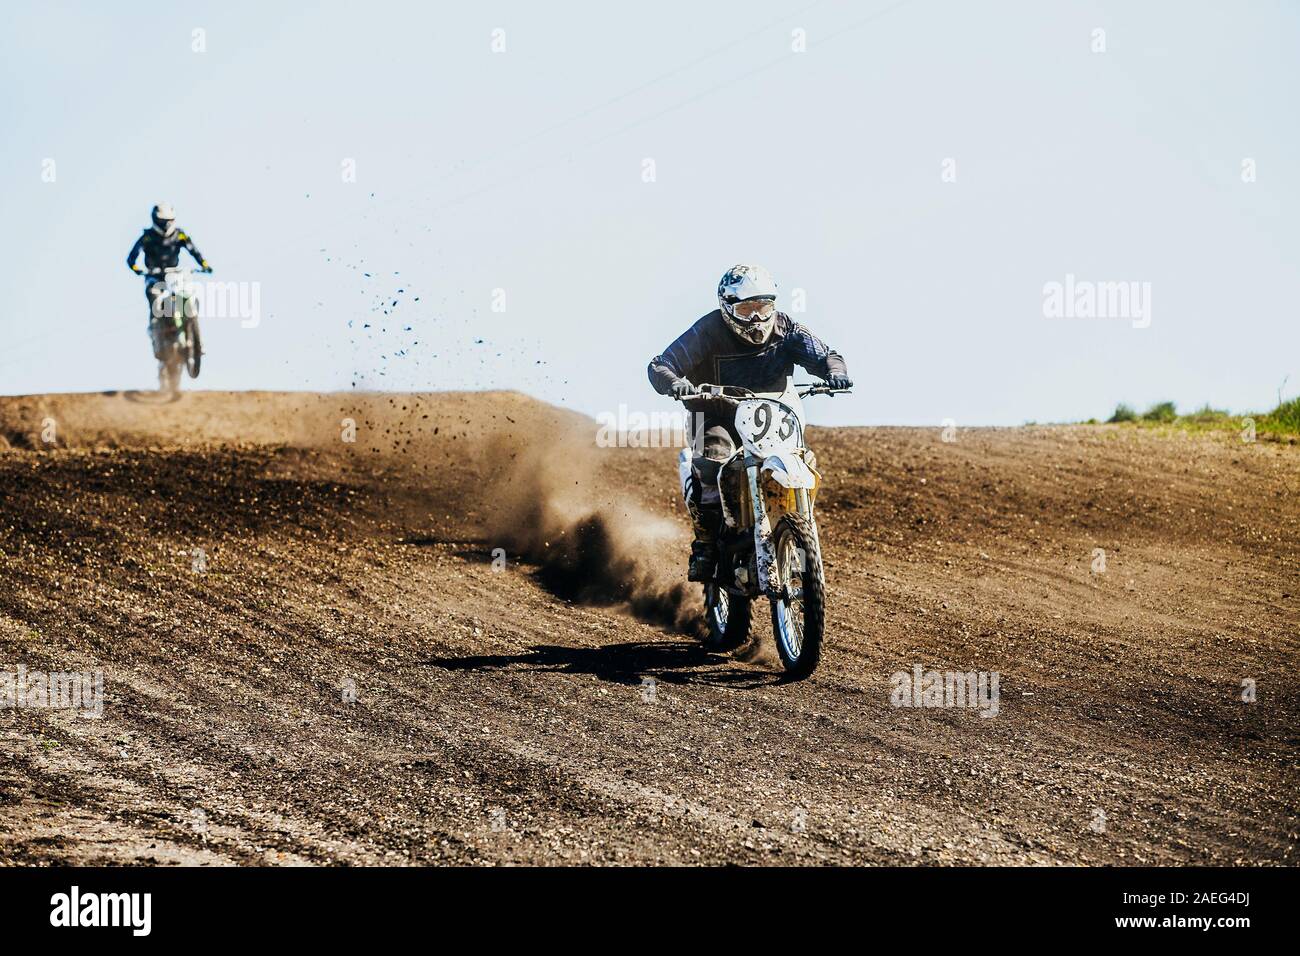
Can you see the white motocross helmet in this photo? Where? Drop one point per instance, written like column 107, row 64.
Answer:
column 164, row 219
column 747, row 298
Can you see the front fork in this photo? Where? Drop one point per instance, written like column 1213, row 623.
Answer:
column 184, row 309
column 764, row 548
column 804, row 503
column 764, row 552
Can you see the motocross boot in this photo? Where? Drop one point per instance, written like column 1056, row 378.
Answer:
column 704, row 549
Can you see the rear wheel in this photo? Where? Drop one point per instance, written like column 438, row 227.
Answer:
column 799, row 614
column 727, row 616
column 193, row 346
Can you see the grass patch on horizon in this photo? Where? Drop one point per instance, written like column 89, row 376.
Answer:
column 1283, row 421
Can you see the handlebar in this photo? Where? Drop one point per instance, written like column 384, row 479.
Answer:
column 170, row 270
column 735, row 394
column 708, row 394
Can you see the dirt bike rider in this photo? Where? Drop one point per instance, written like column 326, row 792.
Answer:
column 161, row 245
column 745, row 342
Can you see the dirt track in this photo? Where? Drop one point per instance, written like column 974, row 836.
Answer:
column 502, row 715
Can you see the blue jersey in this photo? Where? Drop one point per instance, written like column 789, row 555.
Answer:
column 710, row 353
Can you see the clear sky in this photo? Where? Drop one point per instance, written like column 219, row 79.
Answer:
column 525, row 171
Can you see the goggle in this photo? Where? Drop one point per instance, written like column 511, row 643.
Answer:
column 754, row 310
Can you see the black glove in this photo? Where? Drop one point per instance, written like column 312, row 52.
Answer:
column 682, row 388
column 137, row 270
column 839, row 381
column 204, row 267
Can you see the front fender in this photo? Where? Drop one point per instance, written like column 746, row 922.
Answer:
column 789, row 471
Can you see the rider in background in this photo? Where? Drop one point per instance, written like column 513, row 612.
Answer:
column 161, row 245
column 744, row 342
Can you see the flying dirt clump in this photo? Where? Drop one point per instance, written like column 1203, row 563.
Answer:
column 549, row 508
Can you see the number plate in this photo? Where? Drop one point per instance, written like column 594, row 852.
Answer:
column 767, row 427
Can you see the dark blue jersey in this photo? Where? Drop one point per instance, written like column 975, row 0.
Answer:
column 162, row 252
column 710, row 353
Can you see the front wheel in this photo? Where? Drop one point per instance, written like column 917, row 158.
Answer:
column 727, row 617
column 799, row 611
column 169, row 374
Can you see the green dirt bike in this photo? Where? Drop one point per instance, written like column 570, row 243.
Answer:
column 768, row 546
column 176, row 318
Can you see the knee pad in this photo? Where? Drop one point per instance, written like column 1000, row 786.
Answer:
column 716, row 443
column 699, row 472
column 684, row 473
column 706, row 481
